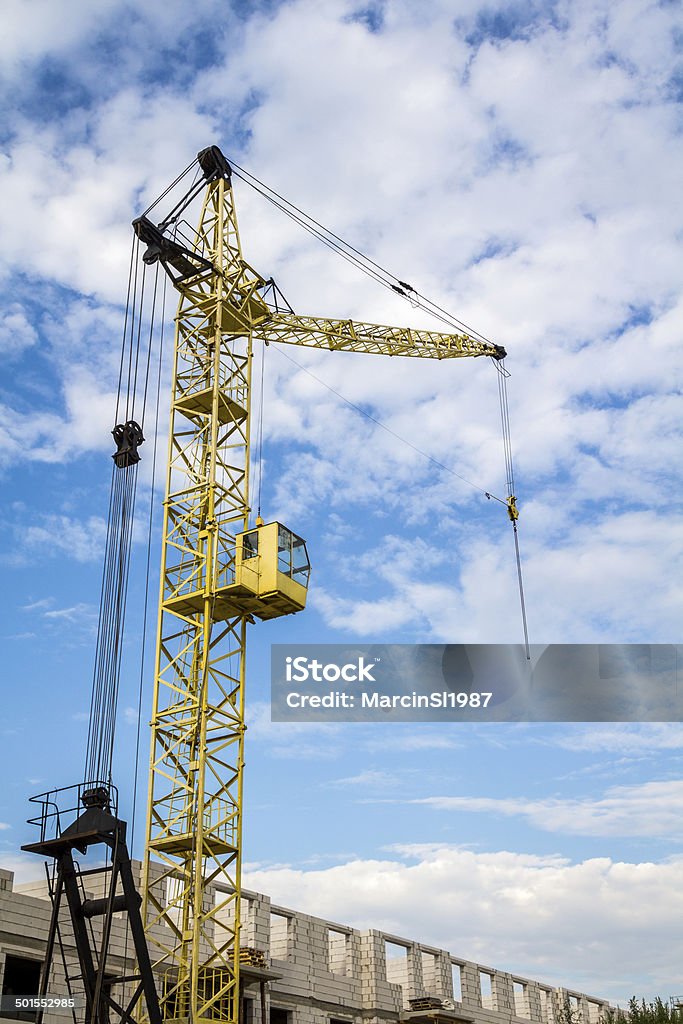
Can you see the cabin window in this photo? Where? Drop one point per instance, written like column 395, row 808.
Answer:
column 250, row 545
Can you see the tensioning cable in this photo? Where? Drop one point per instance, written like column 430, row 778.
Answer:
column 381, row 276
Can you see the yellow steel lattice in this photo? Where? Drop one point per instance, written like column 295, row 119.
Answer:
column 195, row 795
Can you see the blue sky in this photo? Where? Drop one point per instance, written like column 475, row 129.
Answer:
column 518, row 163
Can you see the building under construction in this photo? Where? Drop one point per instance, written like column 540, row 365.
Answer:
column 299, row 969
column 175, row 939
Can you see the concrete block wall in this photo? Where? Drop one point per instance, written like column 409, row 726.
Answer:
column 378, row 993
column 329, row 970
column 305, row 962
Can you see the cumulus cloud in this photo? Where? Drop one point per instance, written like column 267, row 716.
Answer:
column 544, row 227
column 520, row 164
column 519, row 912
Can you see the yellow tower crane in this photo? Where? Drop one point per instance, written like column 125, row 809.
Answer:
column 217, row 574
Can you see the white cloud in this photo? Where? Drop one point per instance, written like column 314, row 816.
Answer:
column 291, row 740
column 601, row 926
column 24, row 867
column 16, row 333
column 530, row 184
column 371, row 777
column 625, row 739
column 582, row 584
column 38, row 26
column 39, row 605
column 74, row 613
column 412, row 742
column 83, row 541
column 652, row 809
column 544, row 226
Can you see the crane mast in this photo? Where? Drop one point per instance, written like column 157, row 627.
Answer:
column 213, row 581
column 195, row 790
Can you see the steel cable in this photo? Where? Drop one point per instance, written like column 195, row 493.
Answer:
column 119, row 534
column 384, row 277
column 353, row 255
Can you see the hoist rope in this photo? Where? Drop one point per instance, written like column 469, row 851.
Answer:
column 170, row 188
column 150, row 520
column 116, row 568
column 120, row 521
column 447, row 469
column 131, row 341
column 259, row 438
column 510, row 481
column 110, row 630
column 151, row 335
column 145, row 607
column 389, row 280
column 131, row 270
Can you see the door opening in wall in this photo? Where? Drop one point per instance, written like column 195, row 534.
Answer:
column 280, row 1016
column 247, row 1011
column 20, row 978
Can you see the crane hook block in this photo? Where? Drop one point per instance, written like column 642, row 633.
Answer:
column 213, row 164
column 513, row 511
column 128, row 437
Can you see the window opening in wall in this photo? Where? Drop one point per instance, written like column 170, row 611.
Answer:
column 21, row 978
column 280, row 1016
column 486, row 990
column 574, row 1008
column 397, row 963
column 279, row 937
column 546, row 1007
column 521, row 997
column 337, row 943
column 456, row 975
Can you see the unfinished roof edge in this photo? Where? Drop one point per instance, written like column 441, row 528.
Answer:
column 322, row 970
